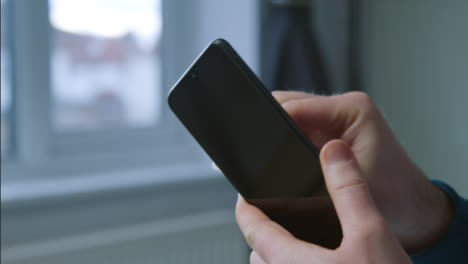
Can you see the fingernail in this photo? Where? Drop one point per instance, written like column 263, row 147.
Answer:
column 338, row 152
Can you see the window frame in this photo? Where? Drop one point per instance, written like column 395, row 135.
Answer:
column 7, row 155
column 40, row 151
column 164, row 132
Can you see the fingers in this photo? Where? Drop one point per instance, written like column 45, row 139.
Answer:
column 306, row 108
column 347, row 187
column 269, row 240
column 323, row 118
column 283, row 96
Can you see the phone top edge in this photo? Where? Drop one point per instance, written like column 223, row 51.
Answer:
column 226, row 47
column 217, row 42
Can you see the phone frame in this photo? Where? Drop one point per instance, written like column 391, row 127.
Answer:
column 245, row 69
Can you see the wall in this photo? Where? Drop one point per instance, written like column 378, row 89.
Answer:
column 417, row 71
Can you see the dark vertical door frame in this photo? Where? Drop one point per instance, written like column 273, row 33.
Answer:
column 355, row 56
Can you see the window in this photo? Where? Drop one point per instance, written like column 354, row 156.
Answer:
column 90, row 79
column 6, row 91
column 106, row 68
column 89, row 90
column 83, row 142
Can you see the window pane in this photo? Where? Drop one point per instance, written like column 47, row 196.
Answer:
column 6, row 96
column 105, row 63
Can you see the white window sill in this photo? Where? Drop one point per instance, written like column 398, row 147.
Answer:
column 35, row 211
column 44, row 189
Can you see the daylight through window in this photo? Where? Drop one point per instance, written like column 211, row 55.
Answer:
column 105, row 64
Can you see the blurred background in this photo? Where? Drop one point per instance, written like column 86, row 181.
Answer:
column 96, row 169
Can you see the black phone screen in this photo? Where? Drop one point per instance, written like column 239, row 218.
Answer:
column 244, row 130
column 255, row 143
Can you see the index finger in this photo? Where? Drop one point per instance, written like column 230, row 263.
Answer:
column 284, row 96
column 323, row 118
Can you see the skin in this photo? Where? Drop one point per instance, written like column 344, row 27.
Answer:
column 366, row 236
column 409, row 206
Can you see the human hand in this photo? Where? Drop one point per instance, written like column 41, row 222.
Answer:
column 415, row 210
column 366, row 236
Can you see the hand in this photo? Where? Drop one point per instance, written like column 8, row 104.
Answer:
column 366, row 236
column 416, row 211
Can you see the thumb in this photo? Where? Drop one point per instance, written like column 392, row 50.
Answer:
column 347, row 187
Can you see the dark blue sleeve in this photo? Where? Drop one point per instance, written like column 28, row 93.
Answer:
column 452, row 248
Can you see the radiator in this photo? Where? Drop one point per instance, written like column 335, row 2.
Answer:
column 205, row 238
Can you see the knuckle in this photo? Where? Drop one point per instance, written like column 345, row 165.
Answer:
column 250, row 236
column 253, row 233
column 351, row 184
column 253, row 258
column 295, row 109
column 292, row 107
column 362, row 99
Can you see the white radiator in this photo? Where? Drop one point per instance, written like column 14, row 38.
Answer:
column 205, row 239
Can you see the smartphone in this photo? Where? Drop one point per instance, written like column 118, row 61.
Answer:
column 255, row 143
